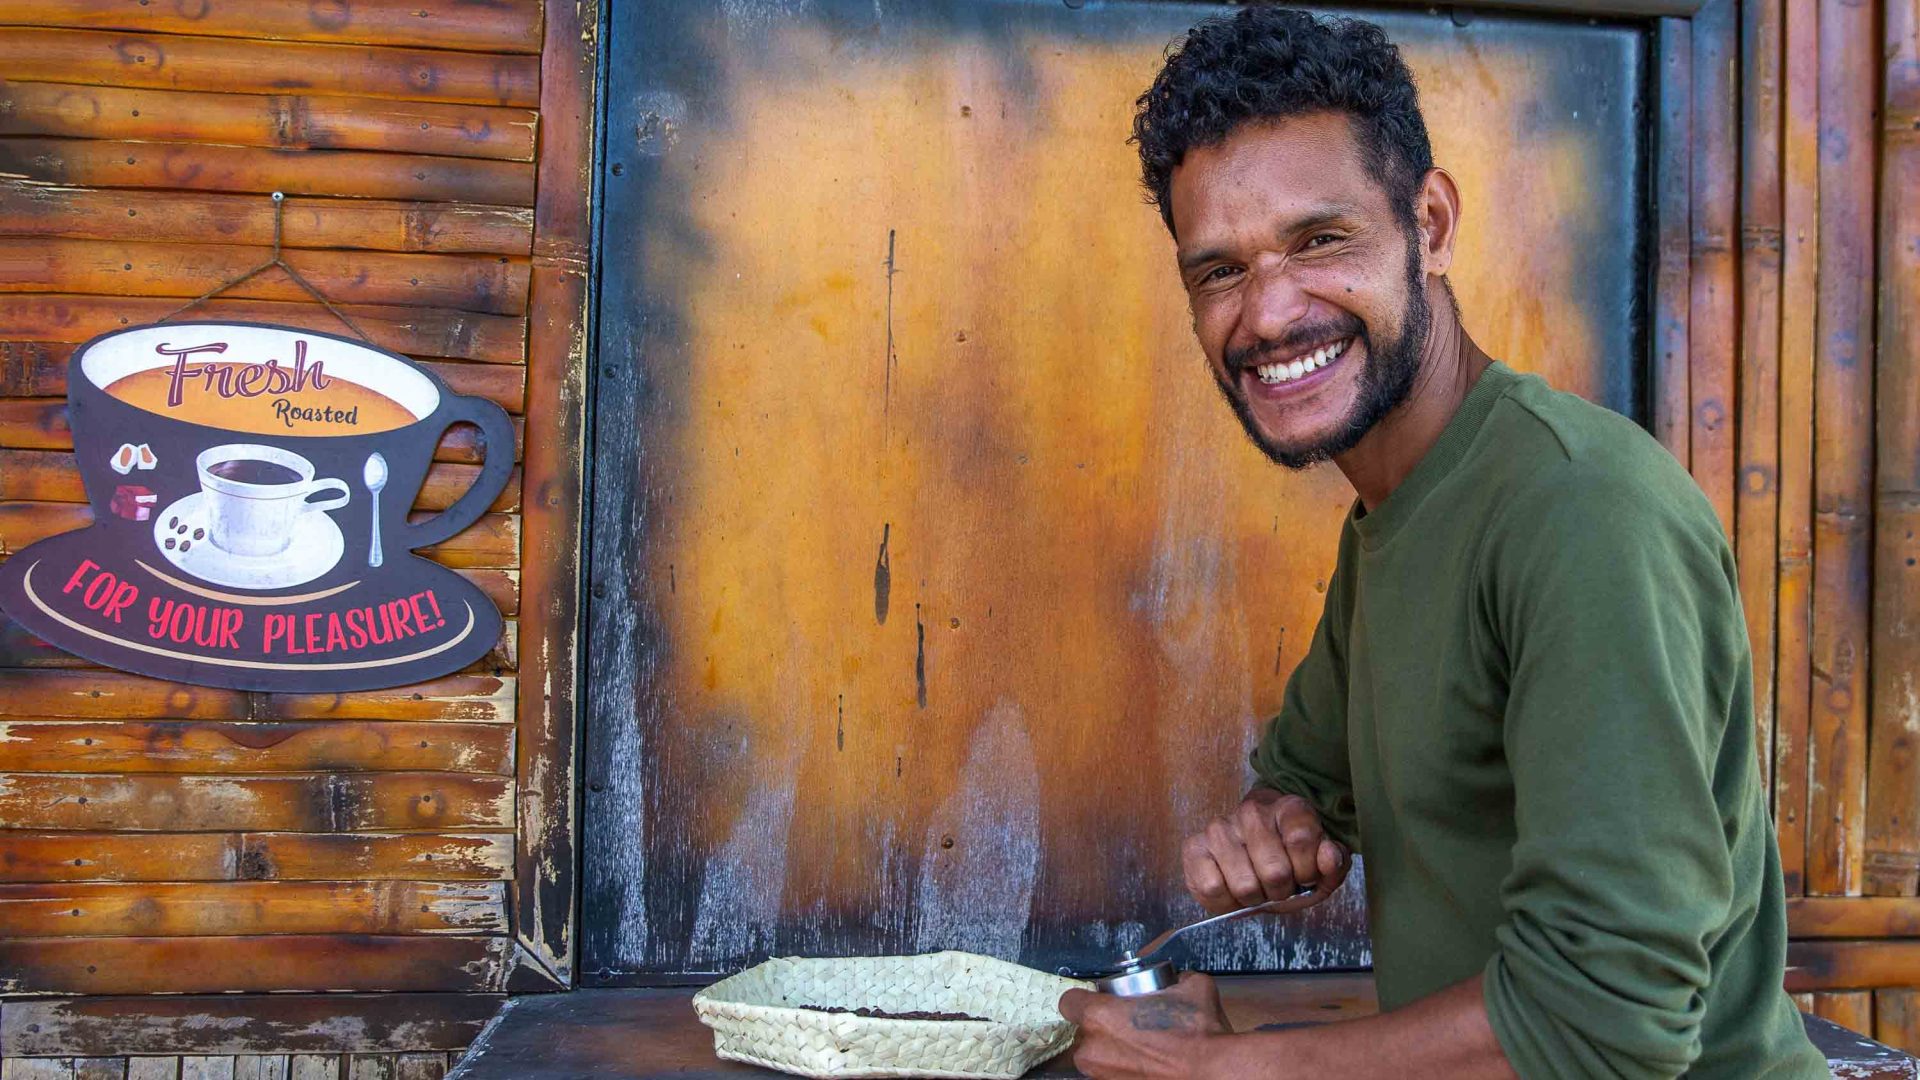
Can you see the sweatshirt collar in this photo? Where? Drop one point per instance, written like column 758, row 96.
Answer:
column 1380, row 526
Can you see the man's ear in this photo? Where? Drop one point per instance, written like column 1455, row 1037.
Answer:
column 1437, row 215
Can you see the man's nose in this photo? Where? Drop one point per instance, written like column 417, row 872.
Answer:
column 1273, row 303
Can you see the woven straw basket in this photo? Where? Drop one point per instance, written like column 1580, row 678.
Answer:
column 756, row 1016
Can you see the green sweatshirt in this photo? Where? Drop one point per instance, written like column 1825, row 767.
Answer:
column 1529, row 705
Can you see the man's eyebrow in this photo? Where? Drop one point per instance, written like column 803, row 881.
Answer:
column 1317, row 216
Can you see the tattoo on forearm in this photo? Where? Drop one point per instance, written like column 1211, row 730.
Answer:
column 1165, row 1016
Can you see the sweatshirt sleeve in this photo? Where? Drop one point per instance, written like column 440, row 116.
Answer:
column 1304, row 748
column 1621, row 622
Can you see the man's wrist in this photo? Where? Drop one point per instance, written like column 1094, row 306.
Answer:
column 1251, row 1055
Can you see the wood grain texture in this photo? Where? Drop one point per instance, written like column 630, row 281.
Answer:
column 494, row 285
column 1793, row 675
column 53, row 476
column 1843, row 451
column 284, row 962
column 147, row 746
column 108, row 695
column 1896, row 1018
column 371, row 802
column 104, row 1068
column 27, row 856
column 252, row 907
column 1851, row 1009
column 1757, row 420
column 559, row 348
column 419, row 331
column 227, row 65
column 1712, row 277
column 204, row 167
column 512, row 26
column 1672, row 287
column 189, row 216
column 1855, row 964
column 316, row 1066
column 294, row 121
column 238, row 1024
column 1893, row 782
column 153, row 1068
column 1853, row 917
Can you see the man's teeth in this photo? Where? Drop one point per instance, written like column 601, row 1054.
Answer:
column 1283, row 371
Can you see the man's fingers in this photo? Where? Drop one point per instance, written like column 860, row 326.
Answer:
column 1230, row 853
column 1204, row 880
column 1265, row 851
column 1073, row 1005
column 1300, row 833
column 1333, row 864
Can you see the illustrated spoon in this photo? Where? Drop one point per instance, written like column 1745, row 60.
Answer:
column 376, row 477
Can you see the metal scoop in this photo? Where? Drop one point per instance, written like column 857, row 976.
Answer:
column 1140, row 974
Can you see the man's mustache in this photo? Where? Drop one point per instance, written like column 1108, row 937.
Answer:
column 1294, row 342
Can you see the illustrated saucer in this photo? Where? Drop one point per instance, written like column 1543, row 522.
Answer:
column 316, row 548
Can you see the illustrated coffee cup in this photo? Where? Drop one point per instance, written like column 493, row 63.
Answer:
column 250, row 415
column 256, row 493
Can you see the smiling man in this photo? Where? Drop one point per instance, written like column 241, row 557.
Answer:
column 1529, row 698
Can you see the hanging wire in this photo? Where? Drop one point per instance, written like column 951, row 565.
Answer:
column 279, row 210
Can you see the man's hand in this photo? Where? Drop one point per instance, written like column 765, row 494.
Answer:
column 1269, row 848
column 1163, row 1036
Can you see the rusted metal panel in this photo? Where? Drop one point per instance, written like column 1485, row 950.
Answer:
column 936, row 596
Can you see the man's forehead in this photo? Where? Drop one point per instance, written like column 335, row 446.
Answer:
column 1275, row 171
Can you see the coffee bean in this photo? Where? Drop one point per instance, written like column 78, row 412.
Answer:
column 172, row 521
column 198, row 533
column 169, row 543
column 185, row 544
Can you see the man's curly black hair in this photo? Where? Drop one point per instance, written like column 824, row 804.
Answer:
column 1270, row 63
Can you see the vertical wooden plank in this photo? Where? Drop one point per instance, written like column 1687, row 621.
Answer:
column 420, row 1066
column 1672, row 401
column 371, row 1067
column 206, row 1068
column 1843, row 449
column 1757, row 504
column 1714, row 187
column 153, row 1068
column 553, row 493
column 1893, row 785
column 102, row 1068
column 1800, row 203
column 260, row 1067
column 1851, row 1009
column 315, row 1067
column 1896, row 1018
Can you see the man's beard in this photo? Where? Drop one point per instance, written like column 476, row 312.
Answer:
column 1385, row 380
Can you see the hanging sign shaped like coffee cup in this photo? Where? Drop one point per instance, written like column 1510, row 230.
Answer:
column 250, row 487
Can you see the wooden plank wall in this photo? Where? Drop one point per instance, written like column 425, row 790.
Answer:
column 1794, row 295
column 159, row 838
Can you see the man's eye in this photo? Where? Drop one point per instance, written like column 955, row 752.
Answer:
column 1321, row 240
column 1219, row 273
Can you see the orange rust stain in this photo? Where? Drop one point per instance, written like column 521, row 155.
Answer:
column 1060, row 476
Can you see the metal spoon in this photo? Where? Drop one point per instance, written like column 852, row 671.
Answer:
column 375, row 475
column 1138, row 975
